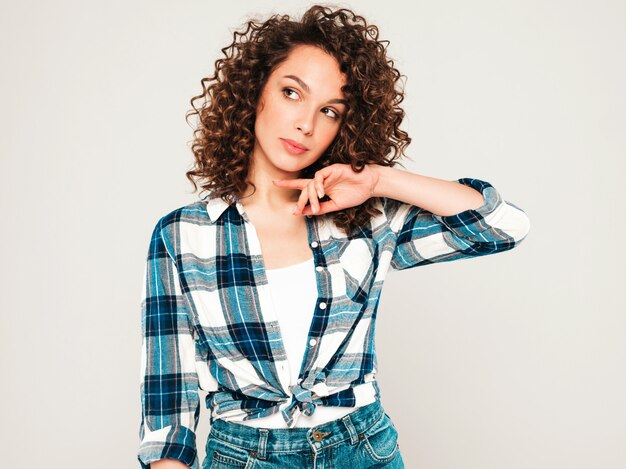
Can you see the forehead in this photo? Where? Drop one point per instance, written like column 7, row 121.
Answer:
column 315, row 67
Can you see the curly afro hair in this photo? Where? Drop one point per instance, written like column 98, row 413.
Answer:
column 370, row 130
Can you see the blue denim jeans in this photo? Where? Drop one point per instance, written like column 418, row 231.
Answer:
column 364, row 438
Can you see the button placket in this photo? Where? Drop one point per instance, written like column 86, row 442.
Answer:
column 315, row 245
column 318, row 268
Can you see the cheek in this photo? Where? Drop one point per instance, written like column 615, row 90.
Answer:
column 264, row 121
column 330, row 135
column 272, row 116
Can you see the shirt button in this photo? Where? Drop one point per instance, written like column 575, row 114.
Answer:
column 314, row 244
column 322, row 305
column 319, row 268
column 312, row 342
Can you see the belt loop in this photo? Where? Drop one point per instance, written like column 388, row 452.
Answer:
column 263, row 434
column 347, row 421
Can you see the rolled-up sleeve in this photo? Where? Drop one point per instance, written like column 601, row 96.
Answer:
column 168, row 379
column 422, row 237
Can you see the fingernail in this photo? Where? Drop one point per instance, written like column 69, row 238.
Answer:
column 319, row 194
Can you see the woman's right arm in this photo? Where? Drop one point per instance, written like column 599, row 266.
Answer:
column 169, row 382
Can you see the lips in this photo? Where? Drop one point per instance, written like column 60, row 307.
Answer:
column 295, row 144
column 291, row 148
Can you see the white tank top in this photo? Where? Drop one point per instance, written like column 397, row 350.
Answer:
column 294, row 309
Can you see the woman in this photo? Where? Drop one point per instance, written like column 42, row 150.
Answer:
column 264, row 293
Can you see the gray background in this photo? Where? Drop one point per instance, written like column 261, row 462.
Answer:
column 508, row 361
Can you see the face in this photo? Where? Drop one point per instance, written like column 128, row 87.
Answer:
column 301, row 103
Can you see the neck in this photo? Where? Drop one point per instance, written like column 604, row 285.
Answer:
column 266, row 193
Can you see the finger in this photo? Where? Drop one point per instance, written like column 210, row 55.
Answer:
column 291, row 183
column 330, row 175
column 315, row 204
column 325, row 207
column 319, row 183
column 304, row 195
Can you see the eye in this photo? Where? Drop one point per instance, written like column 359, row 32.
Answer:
column 334, row 115
column 288, row 90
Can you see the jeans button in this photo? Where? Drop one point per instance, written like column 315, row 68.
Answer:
column 319, row 436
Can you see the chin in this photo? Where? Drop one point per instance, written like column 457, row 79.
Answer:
column 292, row 164
column 292, row 169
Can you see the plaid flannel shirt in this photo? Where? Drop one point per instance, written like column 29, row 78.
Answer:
column 208, row 322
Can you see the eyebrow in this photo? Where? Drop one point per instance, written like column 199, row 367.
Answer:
column 308, row 90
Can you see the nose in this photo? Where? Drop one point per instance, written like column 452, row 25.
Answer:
column 305, row 122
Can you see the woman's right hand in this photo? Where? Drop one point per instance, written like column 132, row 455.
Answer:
column 168, row 464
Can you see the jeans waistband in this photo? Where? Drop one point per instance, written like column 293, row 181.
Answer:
column 261, row 440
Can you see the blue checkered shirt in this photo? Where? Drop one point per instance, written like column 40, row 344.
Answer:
column 208, row 321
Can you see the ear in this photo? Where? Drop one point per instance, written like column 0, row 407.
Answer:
column 260, row 106
column 261, row 102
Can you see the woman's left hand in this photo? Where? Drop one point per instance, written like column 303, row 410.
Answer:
column 344, row 187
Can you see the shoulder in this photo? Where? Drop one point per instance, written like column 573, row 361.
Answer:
column 391, row 210
column 180, row 221
column 193, row 213
column 368, row 228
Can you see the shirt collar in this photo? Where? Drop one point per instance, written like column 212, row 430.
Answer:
column 215, row 206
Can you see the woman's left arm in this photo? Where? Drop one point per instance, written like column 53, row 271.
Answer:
column 434, row 220
column 438, row 196
column 347, row 188
column 426, row 220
